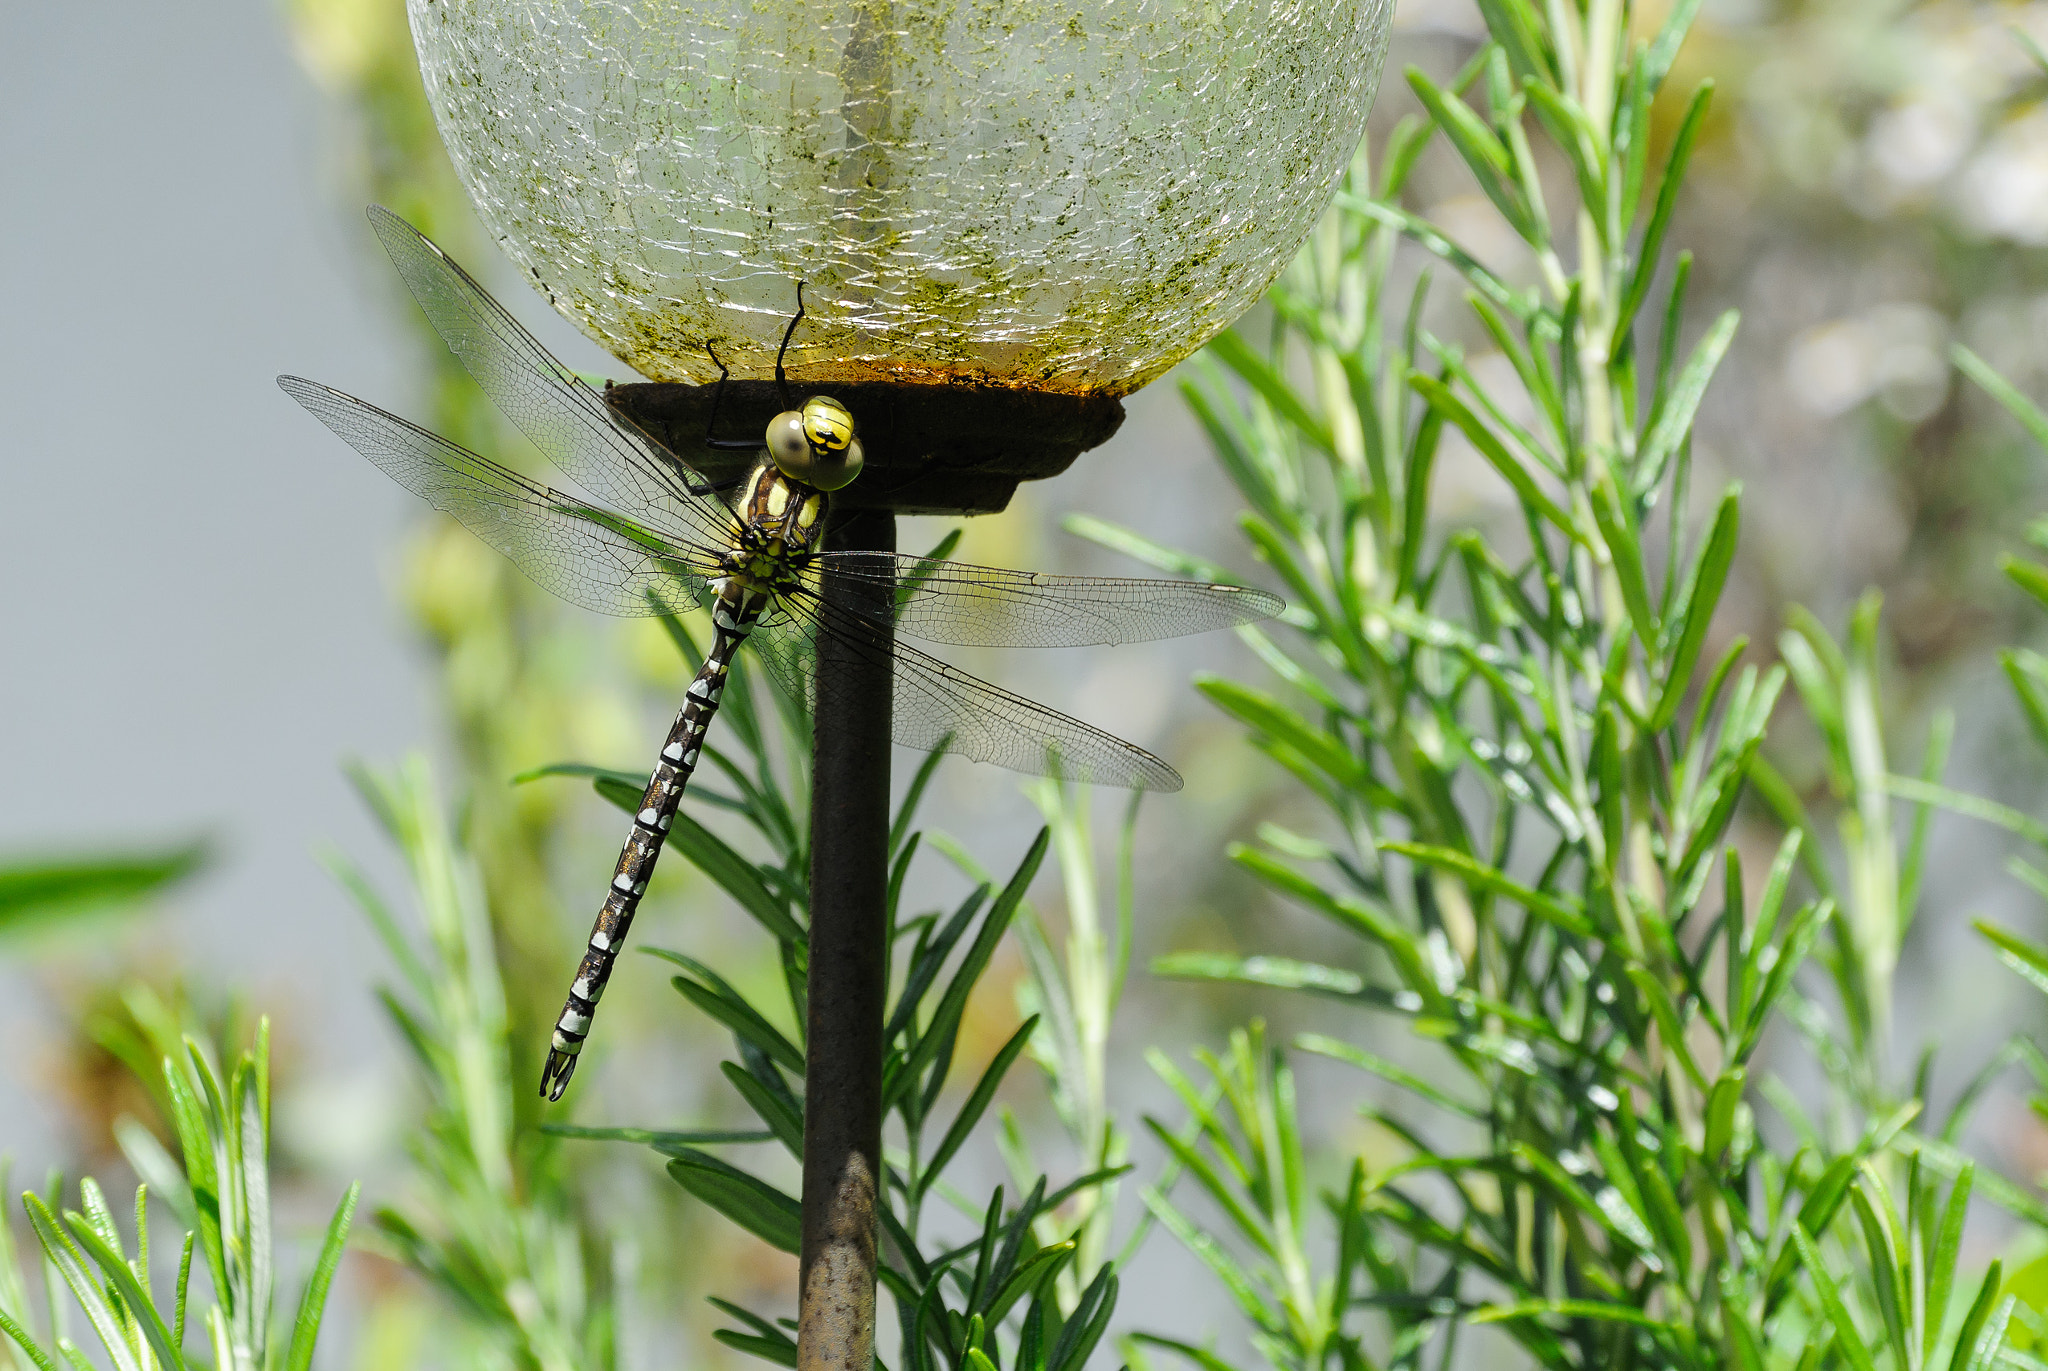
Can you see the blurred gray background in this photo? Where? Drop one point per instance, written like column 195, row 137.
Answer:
column 196, row 625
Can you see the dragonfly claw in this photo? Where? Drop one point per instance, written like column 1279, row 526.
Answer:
column 554, row 1077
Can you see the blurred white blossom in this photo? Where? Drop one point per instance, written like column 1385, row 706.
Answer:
column 2004, row 193
column 1892, row 352
column 1918, row 143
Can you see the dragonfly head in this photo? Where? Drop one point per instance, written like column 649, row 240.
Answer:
column 815, row 444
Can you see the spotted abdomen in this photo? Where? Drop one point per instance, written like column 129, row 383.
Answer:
column 734, row 610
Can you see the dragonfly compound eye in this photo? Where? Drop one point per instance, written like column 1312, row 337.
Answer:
column 788, row 446
column 816, row 445
column 836, row 455
column 833, row 470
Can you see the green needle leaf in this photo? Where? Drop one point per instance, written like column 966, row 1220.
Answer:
column 313, row 1304
column 748, row 1201
column 1710, row 574
column 978, row 1102
column 1846, row 1337
column 1494, row 451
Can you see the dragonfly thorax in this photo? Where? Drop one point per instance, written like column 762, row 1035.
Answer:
column 779, row 521
column 816, row 444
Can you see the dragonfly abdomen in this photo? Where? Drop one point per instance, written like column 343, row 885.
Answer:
column 734, row 608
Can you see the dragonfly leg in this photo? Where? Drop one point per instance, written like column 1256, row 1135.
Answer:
column 703, row 488
column 781, row 378
column 711, row 440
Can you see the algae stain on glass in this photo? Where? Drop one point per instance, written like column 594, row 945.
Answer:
column 1062, row 197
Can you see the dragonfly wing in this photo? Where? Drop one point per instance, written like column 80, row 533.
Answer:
column 938, row 707
column 566, row 419
column 977, row 606
column 586, row 555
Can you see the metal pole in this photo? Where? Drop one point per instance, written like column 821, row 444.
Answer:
column 848, row 979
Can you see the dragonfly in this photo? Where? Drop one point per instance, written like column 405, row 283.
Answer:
column 659, row 539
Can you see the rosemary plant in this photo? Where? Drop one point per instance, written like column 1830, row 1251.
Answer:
column 490, row 1221
column 217, row 1189
column 1529, row 763
column 36, row 894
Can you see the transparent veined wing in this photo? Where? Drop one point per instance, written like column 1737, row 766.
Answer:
column 587, row 555
column 937, row 707
column 566, row 419
column 976, row 606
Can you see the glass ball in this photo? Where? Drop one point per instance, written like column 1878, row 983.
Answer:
column 1062, row 197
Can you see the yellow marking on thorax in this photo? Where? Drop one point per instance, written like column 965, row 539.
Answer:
column 753, row 496
column 782, row 517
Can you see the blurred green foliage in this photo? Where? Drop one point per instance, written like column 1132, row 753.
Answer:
column 1871, row 192
column 510, row 695
column 40, row 893
column 490, row 1220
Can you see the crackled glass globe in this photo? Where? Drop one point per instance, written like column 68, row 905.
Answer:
column 1063, row 195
